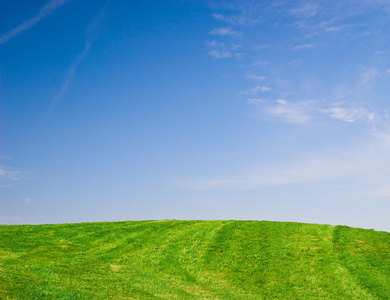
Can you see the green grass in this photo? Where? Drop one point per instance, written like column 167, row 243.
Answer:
column 193, row 260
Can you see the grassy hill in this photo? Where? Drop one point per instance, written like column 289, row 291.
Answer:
column 193, row 260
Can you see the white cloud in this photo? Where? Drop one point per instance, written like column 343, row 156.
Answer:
column 365, row 165
column 303, row 111
column 260, row 63
column 69, row 76
column 315, row 167
column 290, row 112
column 91, row 32
column 6, row 173
column 333, row 29
column 305, row 11
column 349, row 114
column 247, row 15
column 221, row 50
column 224, row 31
column 305, row 46
column 263, row 88
column 254, row 100
column 212, row 43
column 382, row 134
column 236, row 46
column 368, row 76
column 255, row 90
column 44, row 12
column 220, row 54
column 219, row 17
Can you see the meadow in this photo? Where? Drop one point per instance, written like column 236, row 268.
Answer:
column 173, row 259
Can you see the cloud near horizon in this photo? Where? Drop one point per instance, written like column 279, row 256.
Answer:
column 366, row 165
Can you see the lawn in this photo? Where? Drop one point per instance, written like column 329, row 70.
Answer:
column 193, row 260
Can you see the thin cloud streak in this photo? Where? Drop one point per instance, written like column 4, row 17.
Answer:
column 309, row 171
column 255, row 90
column 304, row 111
column 305, row 46
column 306, row 11
column 91, row 35
column 224, row 31
column 6, row 173
column 69, row 77
column 44, row 12
column 320, row 167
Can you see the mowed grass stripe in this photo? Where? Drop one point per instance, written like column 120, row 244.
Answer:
column 193, row 260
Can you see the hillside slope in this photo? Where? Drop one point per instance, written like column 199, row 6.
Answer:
column 193, row 260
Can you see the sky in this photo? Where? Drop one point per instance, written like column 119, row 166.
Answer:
column 208, row 109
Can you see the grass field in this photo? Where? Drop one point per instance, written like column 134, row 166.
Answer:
column 193, row 260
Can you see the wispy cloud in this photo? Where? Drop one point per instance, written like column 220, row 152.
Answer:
column 316, row 25
column 261, row 88
column 313, row 167
column 69, row 77
column 296, row 62
column 303, row 111
column 212, row 43
column 261, row 63
column 368, row 76
column 219, row 17
column 366, row 162
column 222, row 50
column 224, row 31
column 7, row 173
column 332, row 29
column 305, row 46
column 307, row 10
column 254, row 100
column 220, row 53
column 350, row 115
column 255, row 90
column 91, row 33
column 290, row 112
column 246, row 16
column 44, row 12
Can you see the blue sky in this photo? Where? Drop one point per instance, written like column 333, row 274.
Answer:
column 134, row 110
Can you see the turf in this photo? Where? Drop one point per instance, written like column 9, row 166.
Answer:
column 193, row 260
